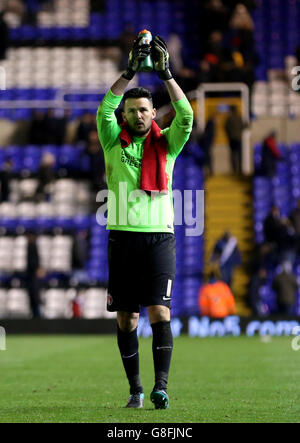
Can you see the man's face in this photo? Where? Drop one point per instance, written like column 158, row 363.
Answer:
column 275, row 211
column 139, row 113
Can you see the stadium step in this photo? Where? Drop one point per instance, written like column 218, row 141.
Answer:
column 228, row 207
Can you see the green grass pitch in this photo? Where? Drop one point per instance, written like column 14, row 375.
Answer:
column 80, row 379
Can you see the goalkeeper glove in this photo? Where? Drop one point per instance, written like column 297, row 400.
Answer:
column 138, row 53
column 160, row 56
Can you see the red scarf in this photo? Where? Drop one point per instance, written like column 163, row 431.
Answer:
column 153, row 174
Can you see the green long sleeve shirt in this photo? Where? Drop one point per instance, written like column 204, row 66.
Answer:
column 129, row 208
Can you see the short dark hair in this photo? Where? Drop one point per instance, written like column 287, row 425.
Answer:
column 138, row 93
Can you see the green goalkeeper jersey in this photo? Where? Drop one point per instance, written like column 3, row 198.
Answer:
column 128, row 207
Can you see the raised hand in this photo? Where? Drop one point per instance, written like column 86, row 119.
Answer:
column 138, row 53
column 160, row 56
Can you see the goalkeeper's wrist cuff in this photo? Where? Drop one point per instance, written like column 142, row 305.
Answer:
column 129, row 74
column 165, row 75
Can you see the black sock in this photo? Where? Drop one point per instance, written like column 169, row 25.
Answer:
column 128, row 345
column 162, row 347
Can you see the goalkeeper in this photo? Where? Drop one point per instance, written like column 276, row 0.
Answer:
column 139, row 161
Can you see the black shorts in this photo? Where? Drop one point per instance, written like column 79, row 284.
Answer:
column 141, row 270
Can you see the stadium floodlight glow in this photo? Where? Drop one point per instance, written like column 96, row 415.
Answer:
column 2, row 79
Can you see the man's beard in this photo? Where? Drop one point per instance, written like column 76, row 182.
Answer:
column 139, row 132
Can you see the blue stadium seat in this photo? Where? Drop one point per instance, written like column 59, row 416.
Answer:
column 63, row 33
column 21, row 114
column 47, row 33
column 64, row 222
column 27, row 223
column 82, row 222
column 69, row 157
column 31, row 162
column 45, row 223
column 10, row 224
column 77, row 33
column 28, row 32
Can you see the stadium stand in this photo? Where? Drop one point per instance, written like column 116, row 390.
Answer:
column 68, row 209
column 71, row 47
column 277, row 37
column 283, row 190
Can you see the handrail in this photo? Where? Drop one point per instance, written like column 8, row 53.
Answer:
column 164, row 110
column 228, row 87
column 222, row 87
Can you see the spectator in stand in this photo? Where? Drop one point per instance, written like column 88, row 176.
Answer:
column 30, row 15
column 227, row 43
column 234, row 130
column 80, row 254
column 213, row 17
column 215, row 299
column 295, row 220
column 55, row 127
column 285, row 286
column 95, row 153
column 231, row 4
column 175, row 51
column 46, row 175
column 226, row 256
column 125, row 43
column 80, row 249
column 37, row 130
column 257, row 282
column 205, row 73
column 98, row 5
column 225, row 63
column 186, row 76
column 86, row 125
column 241, row 19
column 50, row 127
column 34, row 273
column 4, row 36
column 16, row 7
column 205, row 142
column 31, row 11
column 5, row 177
column 273, row 226
column 262, row 258
column 61, row 127
column 240, row 39
column 187, row 79
column 270, row 155
column 216, row 55
column 279, row 232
